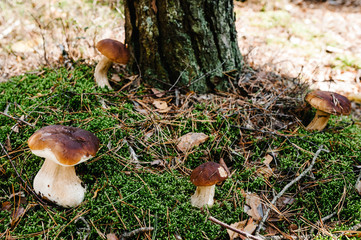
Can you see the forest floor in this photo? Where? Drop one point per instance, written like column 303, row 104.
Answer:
column 288, row 48
column 317, row 42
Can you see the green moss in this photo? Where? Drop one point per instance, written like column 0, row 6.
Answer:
column 122, row 197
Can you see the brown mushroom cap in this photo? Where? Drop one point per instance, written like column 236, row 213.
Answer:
column 69, row 145
column 208, row 174
column 114, row 50
column 329, row 102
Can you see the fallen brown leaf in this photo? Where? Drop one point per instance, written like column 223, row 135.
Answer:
column 157, row 92
column 253, row 205
column 267, row 160
column 16, row 215
column 112, row 236
column 266, row 172
column 248, row 226
column 160, row 104
column 237, row 225
column 190, row 140
column 5, row 206
column 115, row 78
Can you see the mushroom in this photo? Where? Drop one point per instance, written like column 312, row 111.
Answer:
column 205, row 177
column 62, row 147
column 326, row 103
column 112, row 51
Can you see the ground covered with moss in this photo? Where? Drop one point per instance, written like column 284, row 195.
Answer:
column 152, row 188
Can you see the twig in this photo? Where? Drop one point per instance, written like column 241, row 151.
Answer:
column 87, row 228
column 321, row 221
column 135, row 232
column 265, row 216
column 17, row 119
column 18, row 174
column 234, row 229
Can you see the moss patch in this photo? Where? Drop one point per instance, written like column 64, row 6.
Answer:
column 123, row 195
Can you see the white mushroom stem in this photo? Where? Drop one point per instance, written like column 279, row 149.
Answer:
column 59, row 184
column 319, row 122
column 101, row 71
column 203, row 196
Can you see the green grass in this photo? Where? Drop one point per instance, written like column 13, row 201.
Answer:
column 122, row 197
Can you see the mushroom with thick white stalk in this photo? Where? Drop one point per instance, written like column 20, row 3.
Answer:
column 205, row 177
column 112, row 51
column 326, row 103
column 62, row 147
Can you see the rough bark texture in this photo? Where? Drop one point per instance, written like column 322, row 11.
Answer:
column 190, row 43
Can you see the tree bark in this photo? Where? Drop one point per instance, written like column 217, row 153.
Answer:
column 183, row 43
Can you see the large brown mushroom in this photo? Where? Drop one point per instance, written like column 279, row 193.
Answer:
column 112, row 51
column 326, row 103
column 62, row 147
column 205, row 177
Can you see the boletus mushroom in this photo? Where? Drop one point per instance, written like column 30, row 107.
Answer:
column 62, row 147
column 326, row 103
column 112, row 51
column 205, row 177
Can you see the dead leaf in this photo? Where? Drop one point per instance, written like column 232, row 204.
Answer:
column 115, row 78
column 16, row 215
column 253, row 205
column 267, row 160
column 133, row 81
column 270, row 231
column 157, row 92
column 161, row 105
column 6, row 206
column 266, row 172
column 112, row 236
column 248, row 226
column 237, row 225
column 139, row 109
column 165, row 110
column 190, row 140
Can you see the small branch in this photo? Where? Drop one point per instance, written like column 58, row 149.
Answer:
column 265, row 216
column 135, row 232
column 234, row 229
column 17, row 119
column 87, row 228
column 18, row 174
column 321, row 221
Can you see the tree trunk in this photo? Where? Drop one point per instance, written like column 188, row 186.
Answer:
column 183, row 43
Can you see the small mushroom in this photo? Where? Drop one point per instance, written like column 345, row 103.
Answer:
column 205, row 177
column 62, row 147
column 326, row 103
column 112, row 51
